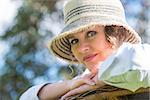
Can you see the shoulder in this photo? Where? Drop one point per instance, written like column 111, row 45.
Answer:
column 136, row 55
column 132, row 49
column 32, row 92
column 128, row 46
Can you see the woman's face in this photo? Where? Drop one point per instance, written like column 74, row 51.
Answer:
column 90, row 47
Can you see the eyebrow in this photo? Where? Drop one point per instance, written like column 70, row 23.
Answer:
column 70, row 36
column 89, row 31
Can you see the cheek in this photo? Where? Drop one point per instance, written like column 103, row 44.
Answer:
column 102, row 58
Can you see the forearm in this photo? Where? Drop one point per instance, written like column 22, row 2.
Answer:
column 53, row 91
column 56, row 90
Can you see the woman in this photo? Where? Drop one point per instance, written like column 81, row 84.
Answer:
column 95, row 35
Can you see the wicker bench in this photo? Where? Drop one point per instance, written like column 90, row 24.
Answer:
column 109, row 93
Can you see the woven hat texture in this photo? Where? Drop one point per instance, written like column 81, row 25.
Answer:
column 79, row 15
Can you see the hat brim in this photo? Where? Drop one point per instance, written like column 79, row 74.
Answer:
column 60, row 45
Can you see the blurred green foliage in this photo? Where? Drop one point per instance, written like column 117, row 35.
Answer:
column 28, row 57
column 23, row 38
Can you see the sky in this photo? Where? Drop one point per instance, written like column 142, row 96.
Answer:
column 8, row 11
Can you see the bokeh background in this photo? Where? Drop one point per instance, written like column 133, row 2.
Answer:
column 25, row 28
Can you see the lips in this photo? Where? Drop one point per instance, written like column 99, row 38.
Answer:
column 89, row 57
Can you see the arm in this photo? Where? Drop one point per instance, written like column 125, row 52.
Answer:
column 84, row 88
column 55, row 90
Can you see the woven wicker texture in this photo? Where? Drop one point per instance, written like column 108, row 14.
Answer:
column 106, row 93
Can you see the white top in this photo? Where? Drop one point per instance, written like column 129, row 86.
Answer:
column 31, row 93
column 128, row 68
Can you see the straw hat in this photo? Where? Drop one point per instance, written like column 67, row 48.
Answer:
column 79, row 15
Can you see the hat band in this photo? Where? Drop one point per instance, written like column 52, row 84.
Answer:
column 103, row 20
column 90, row 10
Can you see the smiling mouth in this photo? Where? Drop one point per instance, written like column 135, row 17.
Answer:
column 89, row 57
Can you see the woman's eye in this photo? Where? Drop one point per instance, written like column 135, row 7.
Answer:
column 74, row 41
column 91, row 33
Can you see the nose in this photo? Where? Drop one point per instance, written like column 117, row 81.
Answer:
column 83, row 47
